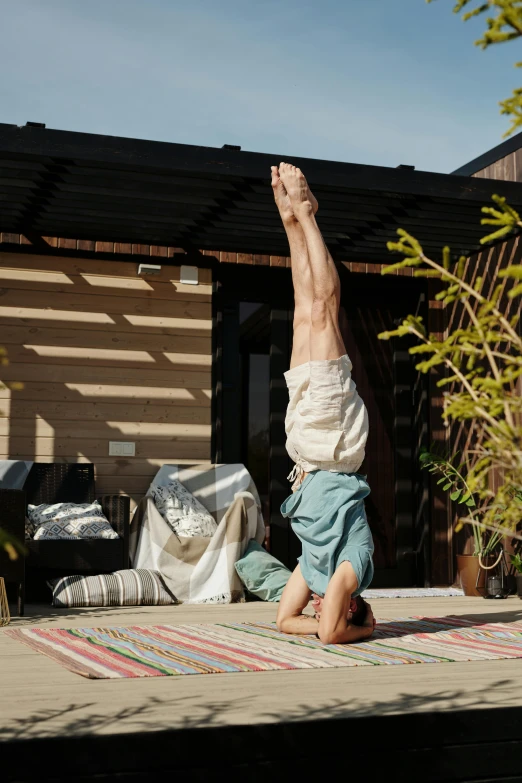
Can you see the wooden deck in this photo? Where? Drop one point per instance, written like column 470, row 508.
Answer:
column 43, row 703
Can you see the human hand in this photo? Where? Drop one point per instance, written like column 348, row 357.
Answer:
column 317, row 604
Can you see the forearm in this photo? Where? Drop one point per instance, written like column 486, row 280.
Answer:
column 302, row 624
column 352, row 634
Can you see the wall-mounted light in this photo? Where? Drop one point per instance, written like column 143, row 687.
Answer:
column 149, row 269
column 189, row 275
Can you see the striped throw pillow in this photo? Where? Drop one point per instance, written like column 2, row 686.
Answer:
column 132, row 587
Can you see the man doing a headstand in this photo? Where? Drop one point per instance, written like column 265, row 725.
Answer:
column 327, row 427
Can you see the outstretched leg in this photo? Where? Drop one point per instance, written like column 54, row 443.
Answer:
column 326, row 341
column 301, row 272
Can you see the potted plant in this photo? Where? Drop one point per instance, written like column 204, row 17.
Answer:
column 516, row 562
column 472, row 568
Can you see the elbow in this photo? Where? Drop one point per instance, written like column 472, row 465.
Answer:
column 330, row 635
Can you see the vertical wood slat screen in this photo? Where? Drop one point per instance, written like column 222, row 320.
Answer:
column 104, row 355
column 487, row 264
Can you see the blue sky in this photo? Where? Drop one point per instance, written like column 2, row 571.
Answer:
column 367, row 81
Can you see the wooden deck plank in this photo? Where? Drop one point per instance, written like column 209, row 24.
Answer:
column 41, row 699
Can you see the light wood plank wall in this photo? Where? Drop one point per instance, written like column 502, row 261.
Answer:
column 104, row 355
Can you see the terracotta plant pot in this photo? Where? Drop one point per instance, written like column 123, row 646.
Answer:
column 468, row 569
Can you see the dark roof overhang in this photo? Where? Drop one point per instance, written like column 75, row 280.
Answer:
column 106, row 188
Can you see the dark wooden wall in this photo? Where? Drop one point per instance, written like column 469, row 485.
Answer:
column 486, row 264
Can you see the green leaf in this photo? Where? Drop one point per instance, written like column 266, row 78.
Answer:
column 470, row 502
column 456, row 494
column 447, row 486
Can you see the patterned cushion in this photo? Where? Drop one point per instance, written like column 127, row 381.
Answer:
column 122, row 588
column 184, row 514
column 70, row 520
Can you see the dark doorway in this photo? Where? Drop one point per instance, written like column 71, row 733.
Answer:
column 253, row 308
column 387, row 381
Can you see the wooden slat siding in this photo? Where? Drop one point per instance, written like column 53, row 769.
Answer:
column 92, row 429
column 98, row 267
column 68, row 244
column 12, row 239
column 194, row 327
column 105, row 247
column 160, row 251
column 487, row 264
column 141, row 250
column 83, row 338
column 89, row 245
column 518, row 165
column 195, row 378
column 105, row 355
column 441, row 529
column 174, row 251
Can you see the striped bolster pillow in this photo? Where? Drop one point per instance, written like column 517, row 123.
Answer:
column 132, row 587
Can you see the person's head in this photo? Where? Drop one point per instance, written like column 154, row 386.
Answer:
column 361, row 610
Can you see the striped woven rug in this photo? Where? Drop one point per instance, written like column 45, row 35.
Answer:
column 155, row 651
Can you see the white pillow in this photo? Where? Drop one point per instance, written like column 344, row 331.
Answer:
column 70, row 521
column 184, row 514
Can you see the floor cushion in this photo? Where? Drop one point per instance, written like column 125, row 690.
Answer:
column 131, row 587
column 262, row 574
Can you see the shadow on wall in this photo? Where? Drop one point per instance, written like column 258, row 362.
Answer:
column 105, row 355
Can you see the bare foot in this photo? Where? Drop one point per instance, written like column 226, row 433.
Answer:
column 302, row 199
column 281, row 197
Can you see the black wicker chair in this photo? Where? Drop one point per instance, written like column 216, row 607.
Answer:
column 74, row 483
column 12, row 520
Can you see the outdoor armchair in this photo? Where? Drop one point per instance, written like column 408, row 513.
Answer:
column 74, row 483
